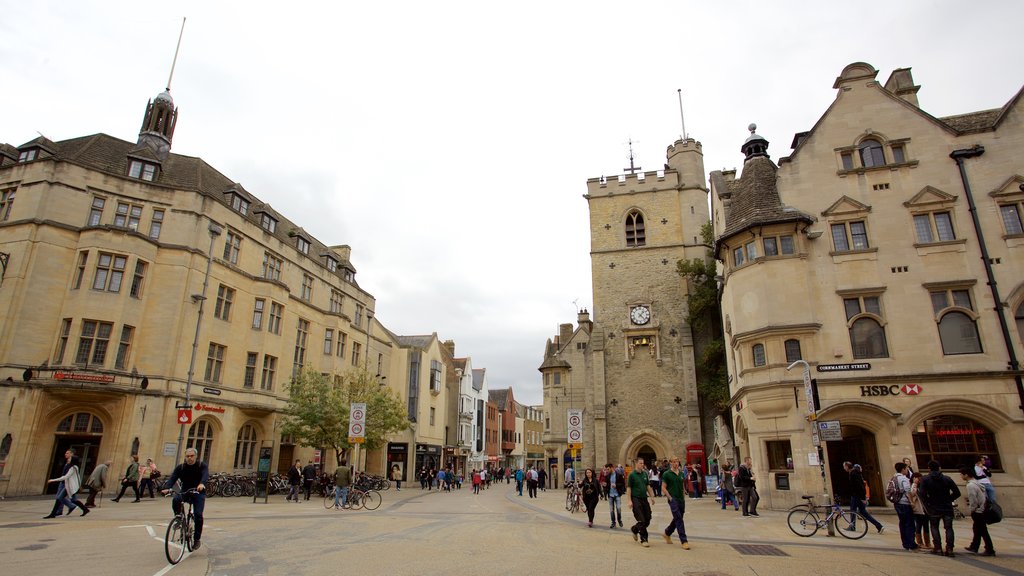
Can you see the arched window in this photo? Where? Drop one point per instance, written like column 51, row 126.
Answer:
column 793, row 352
column 867, row 337
column 871, row 153
column 200, row 437
column 959, row 334
column 759, row 356
column 245, row 447
column 80, row 423
column 954, row 441
column 635, row 232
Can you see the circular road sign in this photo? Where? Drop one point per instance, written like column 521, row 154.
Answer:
column 575, row 436
column 356, row 429
column 357, row 414
column 574, row 420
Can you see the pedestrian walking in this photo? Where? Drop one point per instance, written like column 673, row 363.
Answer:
column 939, row 492
column 130, row 479
column 673, row 485
column 904, row 509
column 532, row 481
column 97, row 483
column 746, row 486
column 519, row 481
column 294, row 481
column 695, row 482
column 728, row 489
column 148, row 475
column 396, row 477
column 616, row 488
column 591, row 489
column 542, row 478
column 976, row 501
column 639, row 496
column 859, row 496
column 70, row 482
column 476, row 481
column 655, row 479
column 309, row 476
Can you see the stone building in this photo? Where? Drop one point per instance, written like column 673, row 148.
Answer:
column 631, row 370
column 885, row 252
column 106, row 247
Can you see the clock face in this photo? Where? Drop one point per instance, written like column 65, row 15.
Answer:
column 640, row 315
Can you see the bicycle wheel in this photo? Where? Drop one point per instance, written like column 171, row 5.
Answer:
column 174, row 540
column 568, row 502
column 329, row 501
column 356, row 499
column 803, row 522
column 371, row 500
column 851, row 525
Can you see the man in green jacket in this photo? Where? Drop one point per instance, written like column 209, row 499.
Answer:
column 342, row 481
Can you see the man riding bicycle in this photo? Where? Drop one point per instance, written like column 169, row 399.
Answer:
column 192, row 473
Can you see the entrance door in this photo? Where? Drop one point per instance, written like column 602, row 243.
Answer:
column 857, row 447
column 285, row 459
column 646, row 453
column 86, row 449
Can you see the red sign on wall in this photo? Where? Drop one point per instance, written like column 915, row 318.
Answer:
column 184, row 415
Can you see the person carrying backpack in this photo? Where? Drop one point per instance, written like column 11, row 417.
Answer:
column 898, row 492
column 939, row 492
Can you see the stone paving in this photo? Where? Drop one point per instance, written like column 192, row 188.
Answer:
column 496, row 532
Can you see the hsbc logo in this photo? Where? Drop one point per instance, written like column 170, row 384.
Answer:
column 911, row 389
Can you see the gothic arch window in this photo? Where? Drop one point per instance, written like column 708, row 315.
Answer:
column 245, row 446
column 958, row 330
column 871, row 153
column 867, row 335
column 636, row 234
column 200, row 437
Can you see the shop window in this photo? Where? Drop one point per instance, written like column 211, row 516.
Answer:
column 954, row 441
column 780, row 455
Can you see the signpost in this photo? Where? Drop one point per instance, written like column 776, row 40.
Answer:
column 263, row 474
column 815, row 436
column 357, row 429
column 574, row 434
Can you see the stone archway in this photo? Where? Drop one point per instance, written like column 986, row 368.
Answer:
column 644, row 442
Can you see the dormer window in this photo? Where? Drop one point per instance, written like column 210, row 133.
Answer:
column 268, row 223
column 332, row 264
column 28, row 155
column 142, row 170
column 302, row 244
column 239, row 204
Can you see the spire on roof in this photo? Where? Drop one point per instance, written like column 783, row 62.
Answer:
column 755, row 145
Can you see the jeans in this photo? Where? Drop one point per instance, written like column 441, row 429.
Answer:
column 642, row 513
column 677, row 519
column 727, row 497
column 519, row 487
column 293, row 492
column 198, row 501
column 63, row 499
column 615, row 506
column 906, row 516
column 980, row 532
column 990, row 494
column 531, row 488
column 947, row 524
column 857, row 505
column 341, row 493
column 750, row 499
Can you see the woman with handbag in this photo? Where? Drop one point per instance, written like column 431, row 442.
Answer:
column 130, row 480
column 148, row 476
column 591, row 488
column 70, row 482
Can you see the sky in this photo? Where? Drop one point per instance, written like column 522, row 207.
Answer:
column 449, row 143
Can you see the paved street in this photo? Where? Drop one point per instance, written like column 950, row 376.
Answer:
column 497, row 532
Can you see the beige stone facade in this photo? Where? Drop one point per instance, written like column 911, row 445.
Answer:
column 859, row 254
column 105, row 246
column 631, row 369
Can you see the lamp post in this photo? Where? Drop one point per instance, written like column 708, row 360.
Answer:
column 214, row 229
column 815, row 438
column 369, row 325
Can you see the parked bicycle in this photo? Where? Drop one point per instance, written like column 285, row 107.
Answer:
column 180, row 532
column 357, row 498
column 573, row 497
column 805, row 520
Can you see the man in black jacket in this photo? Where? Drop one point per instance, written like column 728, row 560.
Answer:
column 309, row 475
column 193, row 474
column 938, row 492
column 746, row 487
column 859, row 496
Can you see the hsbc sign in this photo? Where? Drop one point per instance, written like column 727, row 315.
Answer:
column 892, row 390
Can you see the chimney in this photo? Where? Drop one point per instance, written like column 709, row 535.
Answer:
column 583, row 320
column 901, row 83
column 564, row 334
column 449, row 345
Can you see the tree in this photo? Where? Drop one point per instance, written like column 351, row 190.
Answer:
column 705, row 315
column 319, row 405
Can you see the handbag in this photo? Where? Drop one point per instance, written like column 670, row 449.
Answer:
column 993, row 512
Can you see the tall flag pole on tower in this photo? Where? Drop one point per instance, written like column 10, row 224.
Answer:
column 681, row 117
column 176, row 49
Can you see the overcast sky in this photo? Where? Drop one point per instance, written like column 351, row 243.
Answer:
column 449, row 143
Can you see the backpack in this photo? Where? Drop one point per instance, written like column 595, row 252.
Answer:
column 993, row 512
column 893, row 493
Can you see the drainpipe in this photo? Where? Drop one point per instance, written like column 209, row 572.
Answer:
column 959, row 156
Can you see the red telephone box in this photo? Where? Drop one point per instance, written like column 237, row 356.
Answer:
column 695, row 455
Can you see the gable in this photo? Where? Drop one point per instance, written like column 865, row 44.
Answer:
column 846, row 206
column 1011, row 189
column 930, row 197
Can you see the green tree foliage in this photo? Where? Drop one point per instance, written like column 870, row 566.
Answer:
column 319, row 406
column 705, row 315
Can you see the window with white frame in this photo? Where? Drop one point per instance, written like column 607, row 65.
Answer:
column 239, row 204
column 142, row 170
column 332, row 264
column 28, row 155
column 957, row 320
column 302, row 244
column 866, row 325
column 214, row 362
column 850, row 236
column 268, row 223
column 934, row 227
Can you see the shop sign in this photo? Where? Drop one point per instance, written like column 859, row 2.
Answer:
column 81, row 377
column 843, row 367
column 184, row 416
column 207, row 408
column 892, row 390
column 831, row 430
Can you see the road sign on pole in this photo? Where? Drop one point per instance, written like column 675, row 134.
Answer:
column 184, row 415
column 357, row 423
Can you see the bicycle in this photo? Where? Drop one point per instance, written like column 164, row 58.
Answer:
column 357, row 498
column 573, row 498
column 804, row 520
column 180, row 532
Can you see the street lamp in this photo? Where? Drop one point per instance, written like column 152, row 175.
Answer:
column 369, row 326
column 815, row 438
column 214, row 229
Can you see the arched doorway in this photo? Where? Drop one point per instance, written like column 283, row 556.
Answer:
column 858, row 447
column 81, row 432
column 648, row 455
